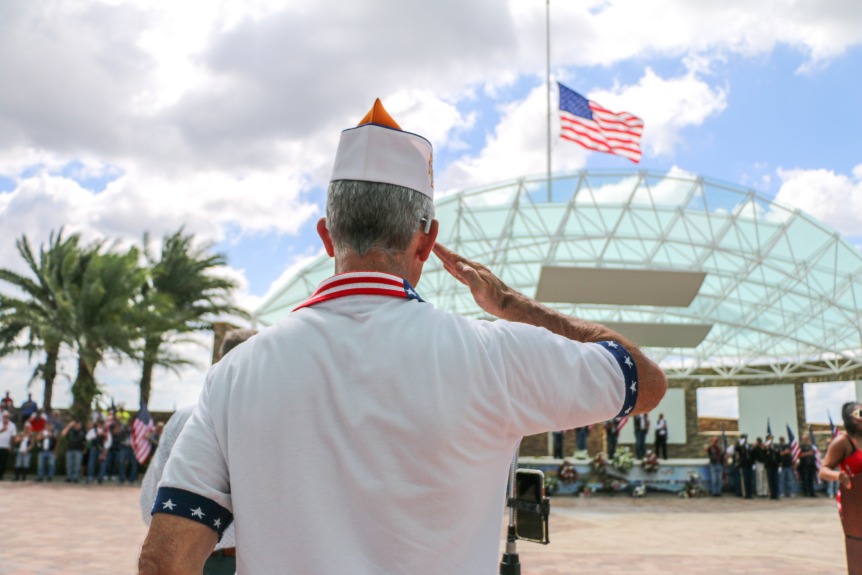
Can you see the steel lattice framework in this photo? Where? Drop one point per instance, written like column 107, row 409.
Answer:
column 782, row 290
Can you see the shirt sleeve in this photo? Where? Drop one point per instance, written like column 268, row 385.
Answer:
column 196, row 483
column 149, row 485
column 557, row 383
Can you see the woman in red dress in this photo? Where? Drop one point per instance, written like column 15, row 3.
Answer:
column 845, row 453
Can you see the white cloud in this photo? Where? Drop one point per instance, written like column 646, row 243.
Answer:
column 835, row 199
column 667, row 106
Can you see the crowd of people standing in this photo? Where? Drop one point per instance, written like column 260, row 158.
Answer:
column 764, row 468
column 96, row 450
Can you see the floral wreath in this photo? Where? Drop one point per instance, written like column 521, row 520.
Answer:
column 650, row 462
column 567, row 473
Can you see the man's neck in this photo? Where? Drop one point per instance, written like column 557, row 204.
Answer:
column 372, row 262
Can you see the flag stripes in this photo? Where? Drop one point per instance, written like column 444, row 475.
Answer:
column 594, row 127
column 141, row 428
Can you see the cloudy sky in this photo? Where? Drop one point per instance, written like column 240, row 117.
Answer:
column 119, row 118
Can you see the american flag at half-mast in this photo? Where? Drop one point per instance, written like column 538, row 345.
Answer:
column 141, row 429
column 596, row 128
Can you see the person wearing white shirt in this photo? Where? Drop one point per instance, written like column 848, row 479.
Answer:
column 369, row 432
column 7, row 432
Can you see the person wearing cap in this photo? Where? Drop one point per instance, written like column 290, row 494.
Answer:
column 397, row 420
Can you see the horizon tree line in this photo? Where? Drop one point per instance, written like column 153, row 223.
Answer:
column 99, row 301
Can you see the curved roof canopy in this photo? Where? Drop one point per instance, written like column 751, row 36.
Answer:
column 712, row 280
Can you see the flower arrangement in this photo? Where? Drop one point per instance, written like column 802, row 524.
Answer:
column 567, row 473
column 693, row 487
column 650, row 462
column 599, row 464
column 623, row 460
column 552, row 483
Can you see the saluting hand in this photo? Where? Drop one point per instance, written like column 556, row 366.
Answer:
column 489, row 291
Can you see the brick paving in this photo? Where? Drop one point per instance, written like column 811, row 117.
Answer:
column 57, row 528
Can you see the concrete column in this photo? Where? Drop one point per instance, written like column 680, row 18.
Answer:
column 800, row 407
column 692, row 447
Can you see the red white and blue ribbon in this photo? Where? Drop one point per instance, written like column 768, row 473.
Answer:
column 361, row 283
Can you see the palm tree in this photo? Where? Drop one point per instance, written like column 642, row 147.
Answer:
column 37, row 314
column 182, row 296
column 98, row 306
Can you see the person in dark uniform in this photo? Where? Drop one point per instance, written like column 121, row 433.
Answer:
column 807, row 467
column 611, row 434
column 558, row 444
column 745, row 461
column 641, row 429
column 773, row 460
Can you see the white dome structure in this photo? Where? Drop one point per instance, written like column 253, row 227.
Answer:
column 712, row 280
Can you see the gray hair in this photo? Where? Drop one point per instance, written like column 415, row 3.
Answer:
column 370, row 216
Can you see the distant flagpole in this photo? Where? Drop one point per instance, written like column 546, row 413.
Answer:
column 548, row 86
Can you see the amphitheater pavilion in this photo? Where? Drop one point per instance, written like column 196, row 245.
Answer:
column 721, row 286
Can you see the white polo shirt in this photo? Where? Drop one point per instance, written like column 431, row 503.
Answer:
column 372, row 434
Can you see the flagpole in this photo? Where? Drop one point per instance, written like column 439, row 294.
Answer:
column 548, row 77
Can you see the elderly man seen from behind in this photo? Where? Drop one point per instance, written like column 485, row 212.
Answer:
column 396, row 422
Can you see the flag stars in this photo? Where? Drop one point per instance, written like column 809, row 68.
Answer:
column 217, row 523
column 198, row 513
column 628, row 361
column 628, row 409
column 634, row 386
column 612, row 344
column 168, row 505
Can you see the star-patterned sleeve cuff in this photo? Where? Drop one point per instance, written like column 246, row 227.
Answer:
column 192, row 506
column 630, row 374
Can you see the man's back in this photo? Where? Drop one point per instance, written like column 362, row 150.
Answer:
column 373, row 435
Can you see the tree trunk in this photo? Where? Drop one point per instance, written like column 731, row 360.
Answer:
column 51, row 354
column 84, row 390
column 151, row 350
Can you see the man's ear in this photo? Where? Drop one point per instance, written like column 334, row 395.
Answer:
column 428, row 241
column 323, row 232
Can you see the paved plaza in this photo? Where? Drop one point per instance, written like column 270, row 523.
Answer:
column 52, row 529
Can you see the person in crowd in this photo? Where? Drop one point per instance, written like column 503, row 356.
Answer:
column 123, row 414
column 55, row 421
column 434, row 403
column 38, row 421
column 772, row 465
column 745, row 463
column 582, row 434
column 807, row 467
column 27, row 409
column 661, row 436
column 786, row 476
column 96, row 452
column 8, row 430
column 732, row 469
column 75, row 444
column 23, row 446
column 111, row 451
column 641, row 422
column 843, row 463
column 127, row 463
column 715, row 453
column 222, row 561
column 7, row 404
column 155, row 436
column 46, row 441
column 612, row 433
column 758, row 455
column 558, row 439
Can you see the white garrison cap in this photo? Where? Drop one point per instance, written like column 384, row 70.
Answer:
column 378, row 150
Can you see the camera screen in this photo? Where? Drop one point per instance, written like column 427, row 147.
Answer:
column 530, row 525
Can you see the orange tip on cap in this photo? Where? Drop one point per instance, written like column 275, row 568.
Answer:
column 378, row 115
